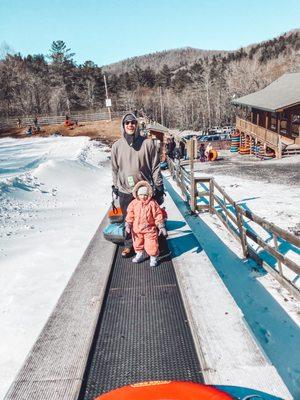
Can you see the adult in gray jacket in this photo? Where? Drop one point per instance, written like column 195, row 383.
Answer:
column 134, row 158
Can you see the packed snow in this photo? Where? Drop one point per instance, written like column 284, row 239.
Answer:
column 53, row 194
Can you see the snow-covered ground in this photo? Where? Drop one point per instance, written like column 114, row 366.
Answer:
column 53, row 194
column 277, row 203
column 270, row 311
column 270, row 189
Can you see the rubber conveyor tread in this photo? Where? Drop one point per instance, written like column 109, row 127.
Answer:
column 143, row 332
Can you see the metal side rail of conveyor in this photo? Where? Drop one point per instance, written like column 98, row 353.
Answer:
column 143, row 333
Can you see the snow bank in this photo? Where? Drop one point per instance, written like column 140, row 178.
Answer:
column 53, row 194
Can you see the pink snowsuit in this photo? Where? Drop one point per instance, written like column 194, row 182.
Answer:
column 145, row 217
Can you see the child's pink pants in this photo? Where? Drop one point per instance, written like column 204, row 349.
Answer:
column 146, row 241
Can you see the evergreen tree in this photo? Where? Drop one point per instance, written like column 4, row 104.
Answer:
column 59, row 53
column 125, row 81
column 149, row 77
column 137, row 77
column 113, row 83
column 181, row 79
column 164, row 77
column 197, row 71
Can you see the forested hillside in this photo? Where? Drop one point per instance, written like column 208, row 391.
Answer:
column 194, row 87
column 172, row 58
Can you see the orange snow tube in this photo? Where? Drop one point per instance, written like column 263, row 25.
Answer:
column 161, row 390
column 244, row 150
column 213, row 155
column 69, row 123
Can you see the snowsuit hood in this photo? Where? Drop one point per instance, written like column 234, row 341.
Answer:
column 142, row 183
column 130, row 138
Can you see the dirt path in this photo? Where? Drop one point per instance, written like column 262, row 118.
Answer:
column 104, row 131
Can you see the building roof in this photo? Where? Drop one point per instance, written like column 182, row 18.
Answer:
column 282, row 93
column 183, row 134
column 155, row 126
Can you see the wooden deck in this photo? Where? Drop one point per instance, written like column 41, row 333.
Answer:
column 267, row 137
column 270, row 138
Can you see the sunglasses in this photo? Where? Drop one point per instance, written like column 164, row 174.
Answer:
column 130, row 122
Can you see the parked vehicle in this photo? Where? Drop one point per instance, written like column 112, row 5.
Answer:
column 217, row 130
column 228, row 129
column 225, row 136
column 187, row 137
column 209, row 138
column 214, row 138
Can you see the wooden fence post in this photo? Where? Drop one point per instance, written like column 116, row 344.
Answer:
column 276, row 248
column 211, row 195
column 225, row 205
column 242, row 232
column 180, row 177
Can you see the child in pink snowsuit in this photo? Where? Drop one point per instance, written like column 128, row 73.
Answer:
column 146, row 222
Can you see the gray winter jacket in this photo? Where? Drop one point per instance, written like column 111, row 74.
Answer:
column 131, row 164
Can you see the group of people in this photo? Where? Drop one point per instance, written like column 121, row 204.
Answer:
column 137, row 182
column 178, row 151
column 175, row 151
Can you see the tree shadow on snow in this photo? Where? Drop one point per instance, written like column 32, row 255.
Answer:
column 274, row 329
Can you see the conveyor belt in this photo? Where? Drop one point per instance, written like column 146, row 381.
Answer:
column 143, row 333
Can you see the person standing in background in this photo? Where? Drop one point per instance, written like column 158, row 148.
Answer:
column 202, row 152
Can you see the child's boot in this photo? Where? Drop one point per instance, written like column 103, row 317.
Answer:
column 153, row 261
column 139, row 257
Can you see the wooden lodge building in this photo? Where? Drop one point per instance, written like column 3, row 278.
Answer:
column 271, row 116
column 158, row 133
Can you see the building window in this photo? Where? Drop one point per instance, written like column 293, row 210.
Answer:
column 273, row 122
column 295, row 125
column 283, row 126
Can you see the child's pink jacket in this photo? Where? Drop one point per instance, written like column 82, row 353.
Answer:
column 144, row 216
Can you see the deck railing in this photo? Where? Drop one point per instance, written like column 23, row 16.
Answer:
column 262, row 134
column 205, row 194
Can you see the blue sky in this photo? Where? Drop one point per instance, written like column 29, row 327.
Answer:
column 112, row 30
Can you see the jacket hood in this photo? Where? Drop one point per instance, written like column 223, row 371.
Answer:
column 142, row 183
column 137, row 131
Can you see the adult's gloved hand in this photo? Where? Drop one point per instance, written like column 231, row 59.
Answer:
column 162, row 231
column 159, row 194
column 115, row 191
column 128, row 227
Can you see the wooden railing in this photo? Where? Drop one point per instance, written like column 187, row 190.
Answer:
column 237, row 220
column 265, row 135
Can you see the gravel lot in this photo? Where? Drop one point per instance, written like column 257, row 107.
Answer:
column 284, row 171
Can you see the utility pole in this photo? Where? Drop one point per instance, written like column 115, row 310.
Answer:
column 107, row 101
column 161, row 106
